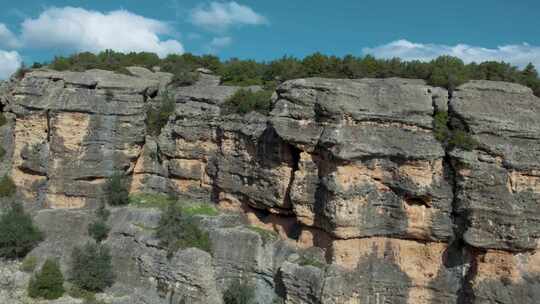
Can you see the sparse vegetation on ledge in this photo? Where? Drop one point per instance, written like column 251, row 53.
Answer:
column 158, row 116
column 444, row 71
column 453, row 138
column 245, row 101
column 7, row 186
column 178, row 229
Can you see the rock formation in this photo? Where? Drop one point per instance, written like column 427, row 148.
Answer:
column 369, row 205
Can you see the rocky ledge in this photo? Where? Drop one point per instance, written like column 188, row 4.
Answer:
column 352, row 174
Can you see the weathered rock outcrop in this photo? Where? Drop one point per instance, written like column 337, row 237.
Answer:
column 371, row 207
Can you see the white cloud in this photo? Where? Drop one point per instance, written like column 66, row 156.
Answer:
column 9, row 63
column 219, row 16
column 84, row 30
column 220, row 42
column 516, row 54
column 7, row 38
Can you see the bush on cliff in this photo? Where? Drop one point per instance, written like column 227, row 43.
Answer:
column 3, row 119
column 98, row 229
column 178, row 230
column 7, row 186
column 158, row 116
column 48, row 283
column 91, row 267
column 245, row 101
column 18, row 234
column 116, row 191
column 239, row 292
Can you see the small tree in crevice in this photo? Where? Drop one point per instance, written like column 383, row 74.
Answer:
column 116, row 190
column 453, row 138
column 158, row 116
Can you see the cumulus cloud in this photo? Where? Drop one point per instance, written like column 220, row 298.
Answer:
column 9, row 63
column 516, row 54
column 86, row 30
column 219, row 16
column 7, row 38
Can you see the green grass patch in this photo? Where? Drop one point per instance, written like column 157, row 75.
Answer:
column 309, row 261
column 144, row 227
column 200, row 209
column 150, row 200
column 266, row 235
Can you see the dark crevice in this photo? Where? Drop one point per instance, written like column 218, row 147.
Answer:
column 458, row 255
column 48, row 117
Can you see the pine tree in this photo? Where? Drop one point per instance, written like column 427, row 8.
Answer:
column 48, row 283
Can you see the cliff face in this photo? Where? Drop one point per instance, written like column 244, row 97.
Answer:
column 348, row 172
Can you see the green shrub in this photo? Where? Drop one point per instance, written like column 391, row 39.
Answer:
column 91, row 267
column 463, row 140
column 116, row 190
column 177, row 230
column 29, row 263
column 98, row 230
column 3, row 119
column 7, row 186
column 157, row 117
column 78, row 293
column 2, row 152
column 239, row 292
column 440, row 126
column 48, row 282
column 88, row 297
column 245, row 100
column 18, row 235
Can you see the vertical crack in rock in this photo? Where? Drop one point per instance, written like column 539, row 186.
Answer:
column 458, row 255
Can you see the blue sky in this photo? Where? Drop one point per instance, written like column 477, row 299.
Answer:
column 36, row 30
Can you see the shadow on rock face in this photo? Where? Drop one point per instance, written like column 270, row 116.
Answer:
column 377, row 279
column 504, row 291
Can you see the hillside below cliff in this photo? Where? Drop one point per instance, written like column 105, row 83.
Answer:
column 348, row 191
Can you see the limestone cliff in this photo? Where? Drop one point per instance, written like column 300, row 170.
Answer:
column 348, row 172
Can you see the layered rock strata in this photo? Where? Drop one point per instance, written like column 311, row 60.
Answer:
column 348, row 172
